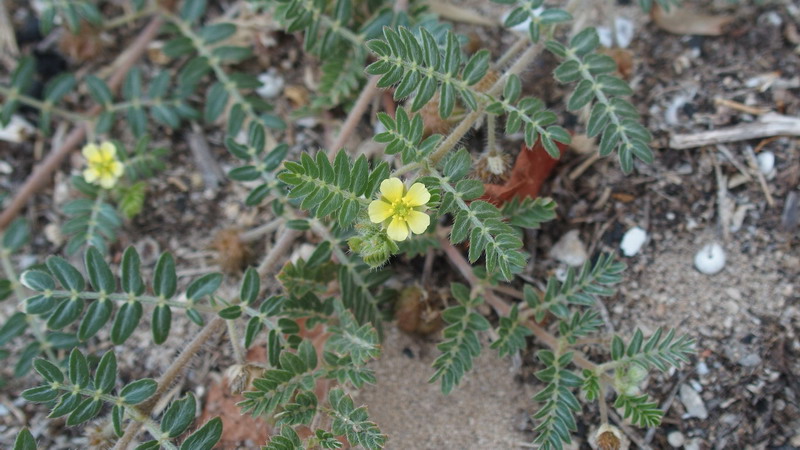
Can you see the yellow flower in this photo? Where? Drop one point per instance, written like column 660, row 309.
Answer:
column 401, row 209
column 103, row 166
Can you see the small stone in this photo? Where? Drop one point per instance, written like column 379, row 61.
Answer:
column 606, row 38
column 632, row 241
column 271, row 84
column 734, row 293
column 570, row 249
column 766, row 162
column 17, row 130
column 53, row 234
column 710, row 259
column 623, row 28
column 702, row 368
column 694, row 444
column 676, row 439
column 695, row 407
column 750, row 360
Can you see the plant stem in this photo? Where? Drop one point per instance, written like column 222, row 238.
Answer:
column 466, row 124
column 169, row 377
column 19, row 292
column 355, row 114
column 503, row 309
column 236, row 343
column 282, row 245
column 11, row 94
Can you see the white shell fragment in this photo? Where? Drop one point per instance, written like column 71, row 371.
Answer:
column 624, row 31
column 570, row 250
column 766, row 162
column 710, row 259
column 632, row 241
column 16, row 130
column 606, row 38
column 271, row 84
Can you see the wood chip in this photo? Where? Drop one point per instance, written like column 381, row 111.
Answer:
column 768, row 125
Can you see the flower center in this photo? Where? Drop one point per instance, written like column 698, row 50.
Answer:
column 105, row 166
column 401, row 209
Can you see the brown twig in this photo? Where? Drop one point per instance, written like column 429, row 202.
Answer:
column 42, row 172
column 355, row 115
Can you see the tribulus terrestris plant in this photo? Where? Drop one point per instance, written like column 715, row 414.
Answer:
column 426, row 193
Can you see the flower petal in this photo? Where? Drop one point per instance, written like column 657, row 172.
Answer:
column 398, row 230
column 90, row 152
column 418, row 221
column 109, row 149
column 116, row 169
column 417, row 195
column 379, row 211
column 392, row 189
column 90, row 175
column 107, row 182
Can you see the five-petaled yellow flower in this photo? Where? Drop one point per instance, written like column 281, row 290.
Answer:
column 103, row 166
column 402, row 209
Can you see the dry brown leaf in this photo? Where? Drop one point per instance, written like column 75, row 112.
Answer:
column 531, row 169
column 687, row 21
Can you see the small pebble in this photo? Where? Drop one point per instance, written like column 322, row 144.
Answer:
column 694, row 444
column 624, row 31
column 710, row 259
column 606, row 38
column 570, row 249
column 695, row 407
column 750, row 360
column 702, row 368
column 632, row 241
column 17, row 130
column 766, row 162
column 271, row 84
column 676, row 439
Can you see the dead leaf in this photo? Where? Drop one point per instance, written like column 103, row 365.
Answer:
column 297, row 94
column 687, row 21
column 531, row 169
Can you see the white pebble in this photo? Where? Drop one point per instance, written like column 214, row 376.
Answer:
column 710, row 259
column 570, row 250
column 271, row 84
column 676, row 439
column 766, row 162
column 624, row 31
column 606, row 38
column 16, row 131
column 632, row 241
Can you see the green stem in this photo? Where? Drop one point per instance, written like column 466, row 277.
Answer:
column 37, row 325
column 213, row 61
column 11, row 94
column 131, row 410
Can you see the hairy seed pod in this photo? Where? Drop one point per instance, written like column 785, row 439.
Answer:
column 608, row 437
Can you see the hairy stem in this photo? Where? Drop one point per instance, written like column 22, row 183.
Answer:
column 169, row 377
column 37, row 325
column 44, row 106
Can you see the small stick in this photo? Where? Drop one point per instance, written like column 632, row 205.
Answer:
column 213, row 176
column 278, row 251
column 754, row 110
column 767, row 125
column 762, row 181
column 355, row 115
